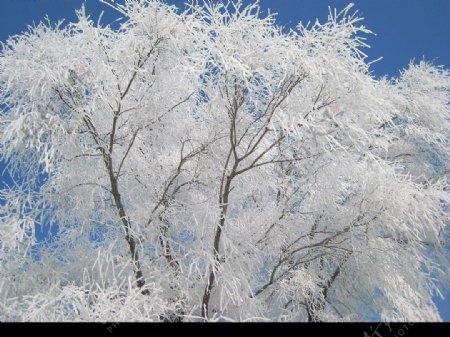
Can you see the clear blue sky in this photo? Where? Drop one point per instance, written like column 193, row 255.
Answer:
column 405, row 29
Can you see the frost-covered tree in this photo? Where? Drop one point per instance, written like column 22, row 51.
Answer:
column 208, row 165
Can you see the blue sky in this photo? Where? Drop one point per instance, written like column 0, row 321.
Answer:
column 406, row 29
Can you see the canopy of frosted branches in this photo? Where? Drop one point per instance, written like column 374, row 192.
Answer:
column 207, row 165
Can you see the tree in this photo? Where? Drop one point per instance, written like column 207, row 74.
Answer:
column 208, row 165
